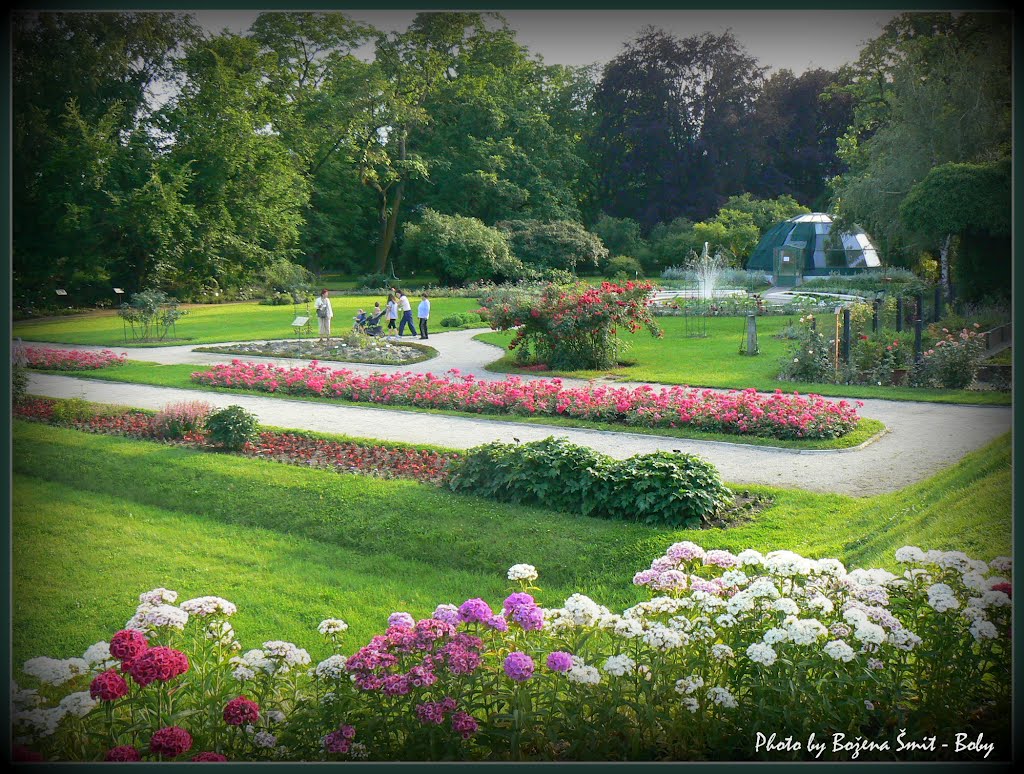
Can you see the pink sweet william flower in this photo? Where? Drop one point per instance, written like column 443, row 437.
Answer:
column 128, row 644
column 559, row 661
column 209, row 757
column 464, row 724
column 241, row 711
column 125, row 753
column 475, row 611
column 108, row 686
column 340, row 741
column 170, row 741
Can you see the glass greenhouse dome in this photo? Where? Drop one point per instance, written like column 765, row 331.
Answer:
column 805, row 246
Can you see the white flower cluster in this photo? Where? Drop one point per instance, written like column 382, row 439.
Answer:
column 252, row 663
column 522, row 572
column 55, row 671
column 332, row 626
column 762, row 653
column 98, row 656
column 582, row 674
column 583, row 611
column 618, row 666
column 688, row 685
column 331, row 668
column 158, row 596
column 839, row 650
column 942, row 598
column 78, row 704
column 223, row 634
column 285, row 655
column 207, row 606
column 805, row 631
column 264, row 739
column 722, row 697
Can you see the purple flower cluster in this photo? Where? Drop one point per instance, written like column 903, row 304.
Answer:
column 433, row 712
column 464, row 724
column 475, row 611
column 559, row 661
column 401, row 619
column 522, row 609
column 518, row 666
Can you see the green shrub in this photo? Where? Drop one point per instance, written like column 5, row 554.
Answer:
column 665, row 488
column 19, row 383
column 624, row 265
column 69, row 410
column 809, row 358
column 460, row 319
column 231, row 427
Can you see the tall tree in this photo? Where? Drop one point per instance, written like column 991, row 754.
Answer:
column 81, row 89
column 669, row 139
column 932, row 89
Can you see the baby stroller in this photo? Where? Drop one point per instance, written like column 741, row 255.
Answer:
column 371, row 325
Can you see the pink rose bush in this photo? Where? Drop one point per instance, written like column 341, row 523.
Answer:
column 48, row 359
column 721, row 644
column 739, row 412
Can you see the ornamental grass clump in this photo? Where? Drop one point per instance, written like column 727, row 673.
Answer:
column 725, row 645
column 176, row 420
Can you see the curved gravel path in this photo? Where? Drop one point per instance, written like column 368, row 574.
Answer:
column 922, row 439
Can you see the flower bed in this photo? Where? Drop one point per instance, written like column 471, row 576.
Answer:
column 377, row 460
column 746, row 412
column 350, row 347
column 70, row 359
column 728, row 644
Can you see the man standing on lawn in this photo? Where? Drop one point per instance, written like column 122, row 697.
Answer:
column 423, row 312
column 406, row 309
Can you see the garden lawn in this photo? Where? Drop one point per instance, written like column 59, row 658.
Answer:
column 97, row 520
column 715, row 361
column 178, row 375
column 214, row 323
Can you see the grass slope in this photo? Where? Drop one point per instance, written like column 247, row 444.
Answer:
column 715, row 361
column 178, row 375
column 97, row 520
column 213, row 323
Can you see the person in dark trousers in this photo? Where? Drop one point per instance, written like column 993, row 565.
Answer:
column 392, row 312
column 406, row 309
column 423, row 312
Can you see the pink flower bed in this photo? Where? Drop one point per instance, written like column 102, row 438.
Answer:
column 739, row 412
column 70, row 359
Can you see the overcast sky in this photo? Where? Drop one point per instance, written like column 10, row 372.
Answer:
column 796, row 40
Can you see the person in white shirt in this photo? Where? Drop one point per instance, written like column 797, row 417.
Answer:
column 423, row 312
column 324, row 313
column 406, row 309
column 392, row 312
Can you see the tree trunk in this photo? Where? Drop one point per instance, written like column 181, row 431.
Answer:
column 944, row 263
column 389, row 220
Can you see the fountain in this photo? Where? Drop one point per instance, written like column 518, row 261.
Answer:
column 708, row 270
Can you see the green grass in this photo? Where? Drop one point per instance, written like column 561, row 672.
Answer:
column 178, row 375
column 212, row 323
column 1004, row 357
column 715, row 362
column 98, row 520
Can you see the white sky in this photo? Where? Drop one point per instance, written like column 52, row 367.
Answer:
column 796, row 40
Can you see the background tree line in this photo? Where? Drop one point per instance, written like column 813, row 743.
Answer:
column 149, row 153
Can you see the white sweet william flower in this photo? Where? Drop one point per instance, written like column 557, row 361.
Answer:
column 618, row 666
column 98, row 656
column 831, row 567
column 975, row 581
column 556, row 619
column 787, row 564
column 869, row 633
column 158, row 597
column 872, row 577
column 786, row 605
column 332, row 668
column 954, row 560
column 264, row 739
column 206, row 606
column 993, row 598
column 761, row 653
column 721, row 652
column 909, row 555
column 973, row 613
column 941, row 598
column 691, row 704
column 687, row 685
column 40, row 721
column 774, row 635
column 22, row 698
column 732, row 578
column 222, row 633
column 821, row 603
column 164, row 617
column 839, row 650
column 275, row 716
column 984, row 630
column 243, row 673
column 904, row 639
column 663, row 638
column 763, row 587
column 582, row 674
column 285, row 654
column 726, row 620
column 55, row 671
column 1002, row 564
column 78, row 704
column 722, row 697
column 750, row 557
column 583, row 611
column 629, row 628
column 741, row 602
column 522, row 572
column 806, row 631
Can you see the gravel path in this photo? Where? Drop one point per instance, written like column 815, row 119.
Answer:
column 922, row 439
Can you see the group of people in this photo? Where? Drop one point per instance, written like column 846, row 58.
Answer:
column 396, row 302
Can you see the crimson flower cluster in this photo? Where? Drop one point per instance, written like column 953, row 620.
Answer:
column 241, row 711
column 108, row 686
column 170, row 741
column 740, row 412
column 70, row 359
column 161, row 663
